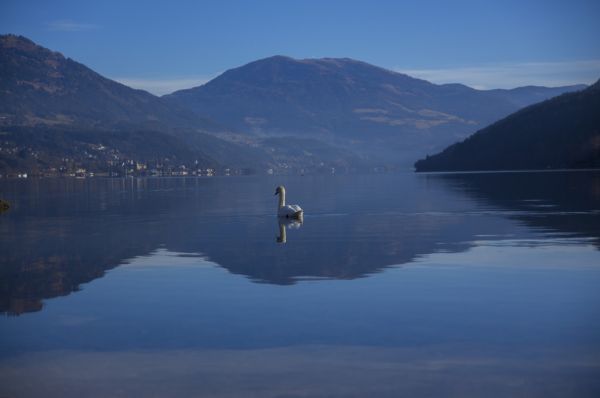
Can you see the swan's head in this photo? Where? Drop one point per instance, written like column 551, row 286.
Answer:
column 279, row 190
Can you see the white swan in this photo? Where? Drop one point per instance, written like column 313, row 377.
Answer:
column 287, row 211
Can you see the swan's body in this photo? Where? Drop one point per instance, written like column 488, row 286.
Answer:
column 287, row 211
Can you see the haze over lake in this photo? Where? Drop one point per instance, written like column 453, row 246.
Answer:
column 395, row 284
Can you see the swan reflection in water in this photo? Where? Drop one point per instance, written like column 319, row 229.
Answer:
column 285, row 223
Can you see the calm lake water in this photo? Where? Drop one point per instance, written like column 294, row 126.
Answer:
column 441, row 285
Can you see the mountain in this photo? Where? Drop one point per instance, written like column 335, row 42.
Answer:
column 529, row 95
column 563, row 132
column 379, row 114
column 42, row 87
column 53, row 108
column 57, row 115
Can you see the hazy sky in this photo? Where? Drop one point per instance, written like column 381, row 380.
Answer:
column 167, row 45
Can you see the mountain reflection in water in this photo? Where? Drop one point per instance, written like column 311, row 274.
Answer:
column 63, row 233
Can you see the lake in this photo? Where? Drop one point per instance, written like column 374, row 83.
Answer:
column 421, row 285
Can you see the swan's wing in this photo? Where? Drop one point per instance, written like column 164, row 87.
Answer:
column 289, row 211
column 286, row 211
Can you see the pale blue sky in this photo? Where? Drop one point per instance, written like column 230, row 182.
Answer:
column 162, row 46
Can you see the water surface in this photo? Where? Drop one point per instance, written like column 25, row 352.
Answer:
column 422, row 285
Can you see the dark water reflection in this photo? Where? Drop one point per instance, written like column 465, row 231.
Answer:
column 430, row 276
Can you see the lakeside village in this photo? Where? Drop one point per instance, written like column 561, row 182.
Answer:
column 100, row 161
column 163, row 168
column 129, row 168
column 96, row 160
column 133, row 168
column 107, row 163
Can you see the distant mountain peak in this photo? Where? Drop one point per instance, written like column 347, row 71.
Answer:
column 284, row 58
column 316, row 62
column 22, row 43
column 278, row 57
column 11, row 40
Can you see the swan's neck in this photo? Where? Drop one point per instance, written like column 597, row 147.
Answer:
column 282, row 198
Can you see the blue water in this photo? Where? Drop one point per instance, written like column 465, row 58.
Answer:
column 398, row 284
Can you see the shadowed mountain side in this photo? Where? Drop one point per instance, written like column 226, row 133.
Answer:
column 563, row 132
column 352, row 104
